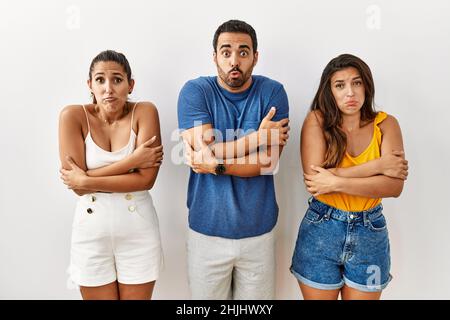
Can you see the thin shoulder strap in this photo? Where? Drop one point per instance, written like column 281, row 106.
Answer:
column 87, row 118
column 132, row 114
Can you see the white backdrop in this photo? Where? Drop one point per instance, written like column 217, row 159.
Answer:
column 46, row 49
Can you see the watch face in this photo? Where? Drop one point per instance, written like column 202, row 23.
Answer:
column 220, row 169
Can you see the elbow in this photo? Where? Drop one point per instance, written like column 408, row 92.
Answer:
column 148, row 185
column 397, row 190
column 270, row 168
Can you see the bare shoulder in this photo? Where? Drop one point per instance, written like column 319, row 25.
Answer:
column 314, row 118
column 389, row 124
column 146, row 107
column 72, row 113
column 146, row 116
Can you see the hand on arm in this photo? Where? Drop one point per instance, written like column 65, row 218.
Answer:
column 391, row 164
column 257, row 163
column 203, row 158
column 71, row 140
column 378, row 178
column 269, row 133
column 144, row 156
column 380, row 186
column 143, row 179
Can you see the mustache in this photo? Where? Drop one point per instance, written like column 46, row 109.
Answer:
column 235, row 69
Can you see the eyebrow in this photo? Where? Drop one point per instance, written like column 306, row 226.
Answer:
column 355, row 78
column 242, row 46
column 102, row 73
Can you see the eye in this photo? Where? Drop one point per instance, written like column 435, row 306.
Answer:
column 357, row 83
column 100, row 80
column 243, row 53
column 118, row 80
column 339, row 85
column 226, row 54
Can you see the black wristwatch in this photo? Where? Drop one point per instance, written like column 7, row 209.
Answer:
column 220, row 169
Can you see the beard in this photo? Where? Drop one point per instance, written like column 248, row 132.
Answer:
column 234, row 82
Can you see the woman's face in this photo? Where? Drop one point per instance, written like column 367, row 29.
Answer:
column 109, row 84
column 348, row 90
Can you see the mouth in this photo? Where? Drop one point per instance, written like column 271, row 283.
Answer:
column 351, row 103
column 235, row 74
column 110, row 99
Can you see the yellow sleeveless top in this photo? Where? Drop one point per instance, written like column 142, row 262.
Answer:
column 348, row 202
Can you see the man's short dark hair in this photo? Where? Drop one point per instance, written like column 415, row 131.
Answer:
column 236, row 26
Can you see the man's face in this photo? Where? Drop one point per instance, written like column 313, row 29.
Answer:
column 235, row 60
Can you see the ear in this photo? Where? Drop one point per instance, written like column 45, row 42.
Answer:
column 215, row 57
column 255, row 60
column 131, row 85
column 89, row 83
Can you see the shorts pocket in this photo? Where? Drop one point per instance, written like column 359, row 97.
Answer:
column 82, row 212
column 377, row 223
column 146, row 212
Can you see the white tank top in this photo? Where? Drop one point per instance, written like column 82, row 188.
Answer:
column 97, row 157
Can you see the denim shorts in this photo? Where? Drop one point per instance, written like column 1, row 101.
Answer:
column 336, row 247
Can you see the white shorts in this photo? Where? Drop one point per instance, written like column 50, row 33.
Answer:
column 115, row 236
column 221, row 268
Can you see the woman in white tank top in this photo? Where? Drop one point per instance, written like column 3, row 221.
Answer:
column 110, row 153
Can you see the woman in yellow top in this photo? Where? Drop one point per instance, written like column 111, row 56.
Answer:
column 352, row 157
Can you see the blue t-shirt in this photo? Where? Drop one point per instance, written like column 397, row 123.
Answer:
column 229, row 206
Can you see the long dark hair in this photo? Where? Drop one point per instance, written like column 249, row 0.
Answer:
column 110, row 55
column 324, row 102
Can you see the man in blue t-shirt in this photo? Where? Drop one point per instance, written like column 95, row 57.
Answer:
column 234, row 126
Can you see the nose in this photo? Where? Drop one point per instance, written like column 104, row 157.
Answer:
column 234, row 60
column 108, row 86
column 350, row 92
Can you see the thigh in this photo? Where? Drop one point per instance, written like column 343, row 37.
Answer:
column 368, row 269
column 310, row 293
column 142, row 291
column 106, row 292
column 210, row 265
column 254, row 270
column 354, row 294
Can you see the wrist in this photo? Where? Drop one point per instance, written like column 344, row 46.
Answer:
column 132, row 161
column 378, row 166
column 338, row 185
column 84, row 182
column 219, row 169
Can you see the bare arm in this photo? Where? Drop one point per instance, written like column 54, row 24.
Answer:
column 144, row 156
column 269, row 133
column 255, row 164
column 148, row 126
column 313, row 149
column 379, row 186
column 323, row 181
column 71, row 141
column 202, row 160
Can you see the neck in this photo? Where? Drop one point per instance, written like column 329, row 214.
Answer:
column 111, row 115
column 351, row 122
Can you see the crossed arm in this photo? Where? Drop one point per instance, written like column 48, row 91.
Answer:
column 380, row 178
column 117, row 176
column 252, row 155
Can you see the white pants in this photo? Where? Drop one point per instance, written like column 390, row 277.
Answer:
column 115, row 236
column 220, row 268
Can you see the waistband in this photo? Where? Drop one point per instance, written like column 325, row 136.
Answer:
column 343, row 215
column 137, row 195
